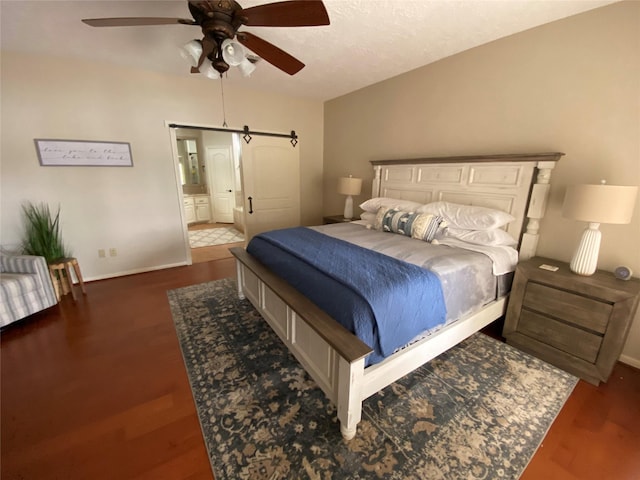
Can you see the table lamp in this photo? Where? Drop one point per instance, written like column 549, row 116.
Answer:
column 596, row 204
column 349, row 186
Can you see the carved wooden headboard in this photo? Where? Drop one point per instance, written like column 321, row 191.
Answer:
column 514, row 183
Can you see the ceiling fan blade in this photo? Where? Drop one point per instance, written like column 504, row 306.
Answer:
column 269, row 52
column 136, row 21
column 295, row 13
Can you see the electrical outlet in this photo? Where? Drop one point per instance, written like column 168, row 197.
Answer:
column 113, row 252
column 101, row 253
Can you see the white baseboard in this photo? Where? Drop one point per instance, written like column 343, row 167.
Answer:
column 634, row 362
column 133, row 272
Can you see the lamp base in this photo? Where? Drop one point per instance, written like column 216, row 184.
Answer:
column 348, row 208
column 585, row 259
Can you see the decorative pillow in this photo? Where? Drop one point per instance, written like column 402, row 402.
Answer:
column 495, row 237
column 373, row 205
column 426, row 226
column 468, row 217
column 421, row 226
column 382, row 213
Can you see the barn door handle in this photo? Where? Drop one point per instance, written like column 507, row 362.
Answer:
column 250, row 204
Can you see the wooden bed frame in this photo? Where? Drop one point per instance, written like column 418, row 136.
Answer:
column 333, row 356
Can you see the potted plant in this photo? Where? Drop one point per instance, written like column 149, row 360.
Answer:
column 42, row 233
column 43, row 237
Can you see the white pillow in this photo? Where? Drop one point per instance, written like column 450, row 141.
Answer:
column 492, row 238
column 373, row 205
column 368, row 217
column 468, row 217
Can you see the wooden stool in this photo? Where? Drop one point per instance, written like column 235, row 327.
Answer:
column 63, row 280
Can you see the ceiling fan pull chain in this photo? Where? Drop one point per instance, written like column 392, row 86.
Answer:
column 224, row 113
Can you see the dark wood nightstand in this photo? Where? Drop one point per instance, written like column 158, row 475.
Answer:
column 577, row 323
column 335, row 219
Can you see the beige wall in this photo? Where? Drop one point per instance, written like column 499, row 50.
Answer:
column 571, row 86
column 136, row 210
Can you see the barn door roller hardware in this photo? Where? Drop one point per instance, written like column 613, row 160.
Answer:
column 246, row 133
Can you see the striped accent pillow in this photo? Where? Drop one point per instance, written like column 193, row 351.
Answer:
column 426, row 225
column 422, row 226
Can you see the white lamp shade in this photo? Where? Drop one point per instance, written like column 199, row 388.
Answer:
column 232, row 52
column 349, row 185
column 191, row 52
column 600, row 203
column 246, row 67
column 208, row 71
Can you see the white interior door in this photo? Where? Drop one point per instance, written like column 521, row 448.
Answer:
column 221, row 183
column 270, row 184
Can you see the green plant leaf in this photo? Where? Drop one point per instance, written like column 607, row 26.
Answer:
column 42, row 233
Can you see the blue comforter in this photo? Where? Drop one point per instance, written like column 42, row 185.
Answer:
column 384, row 301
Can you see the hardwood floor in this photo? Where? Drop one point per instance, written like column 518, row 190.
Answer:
column 216, row 252
column 597, row 434
column 97, row 389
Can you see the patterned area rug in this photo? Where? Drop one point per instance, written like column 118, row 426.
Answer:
column 214, row 236
column 478, row 411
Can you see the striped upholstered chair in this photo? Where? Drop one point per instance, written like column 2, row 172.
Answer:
column 25, row 287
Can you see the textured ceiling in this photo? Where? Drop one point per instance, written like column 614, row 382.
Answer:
column 368, row 40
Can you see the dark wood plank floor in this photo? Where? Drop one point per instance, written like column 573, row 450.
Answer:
column 98, row 390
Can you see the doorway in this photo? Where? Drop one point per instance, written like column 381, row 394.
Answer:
column 263, row 193
column 208, row 193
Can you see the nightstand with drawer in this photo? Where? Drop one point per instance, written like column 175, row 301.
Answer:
column 577, row 323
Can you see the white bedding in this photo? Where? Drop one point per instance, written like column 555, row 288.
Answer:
column 466, row 276
column 504, row 258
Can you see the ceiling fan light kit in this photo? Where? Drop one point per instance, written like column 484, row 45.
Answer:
column 208, row 71
column 191, row 52
column 232, row 52
column 246, row 67
column 222, row 44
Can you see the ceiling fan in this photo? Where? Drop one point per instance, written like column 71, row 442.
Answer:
column 220, row 21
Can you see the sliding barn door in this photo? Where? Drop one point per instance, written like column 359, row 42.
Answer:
column 270, row 184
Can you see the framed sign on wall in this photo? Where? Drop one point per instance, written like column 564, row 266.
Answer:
column 69, row 153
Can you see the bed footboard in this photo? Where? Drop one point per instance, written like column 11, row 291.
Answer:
column 332, row 355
